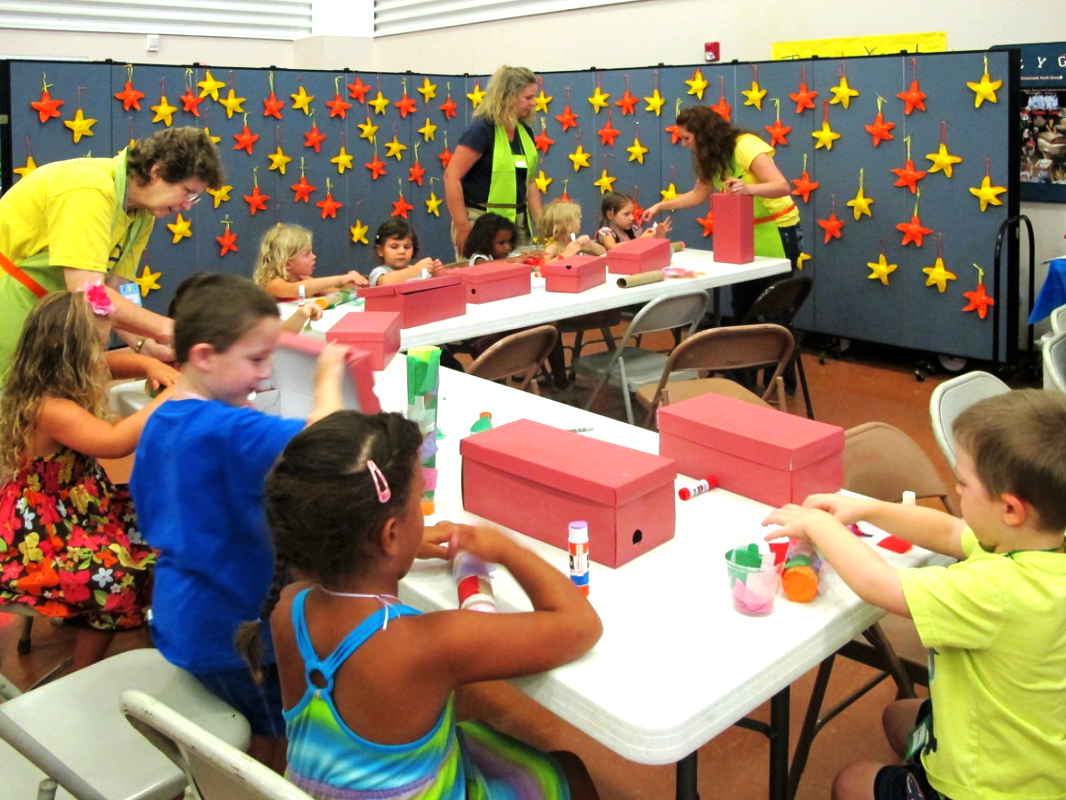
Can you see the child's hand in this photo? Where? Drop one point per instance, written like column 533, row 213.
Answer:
column 355, row 279
column 434, row 539
column 487, row 543
column 795, row 522
column 846, row 510
column 660, row 229
column 434, row 265
column 330, row 363
column 159, row 375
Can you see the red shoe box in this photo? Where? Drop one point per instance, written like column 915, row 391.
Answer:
column 291, row 390
column 419, row 302
column 761, row 453
column 376, row 332
column 734, row 228
column 495, row 280
column 536, row 479
column 574, row 274
column 634, row 256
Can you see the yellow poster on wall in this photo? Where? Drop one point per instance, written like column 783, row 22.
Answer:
column 860, row 46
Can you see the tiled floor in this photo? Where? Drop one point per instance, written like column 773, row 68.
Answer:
column 866, row 384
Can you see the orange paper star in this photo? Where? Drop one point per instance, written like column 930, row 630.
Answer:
column 913, row 231
column 880, row 130
column 804, row 186
column 329, row 206
column 256, row 201
column 129, row 96
column 913, row 98
column 833, row 227
column 804, row 98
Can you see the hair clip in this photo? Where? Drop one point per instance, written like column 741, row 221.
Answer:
column 99, row 299
column 380, row 484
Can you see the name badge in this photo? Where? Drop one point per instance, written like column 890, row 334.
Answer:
column 520, row 161
column 132, row 292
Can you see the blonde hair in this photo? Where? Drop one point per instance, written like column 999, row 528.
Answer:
column 504, row 87
column 278, row 247
column 560, row 219
column 58, row 355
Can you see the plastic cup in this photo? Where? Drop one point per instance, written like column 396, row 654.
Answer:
column 753, row 589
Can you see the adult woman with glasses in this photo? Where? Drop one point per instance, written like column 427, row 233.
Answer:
column 86, row 219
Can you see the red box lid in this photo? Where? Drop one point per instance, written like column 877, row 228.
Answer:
column 410, row 287
column 750, row 431
column 639, row 248
column 487, row 271
column 364, row 326
column 607, row 473
column 574, row 265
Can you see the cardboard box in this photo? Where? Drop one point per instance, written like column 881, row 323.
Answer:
column 634, row 256
column 419, row 302
column 575, row 274
column 758, row 452
column 536, row 479
column 734, row 228
column 495, row 280
column 376, row 332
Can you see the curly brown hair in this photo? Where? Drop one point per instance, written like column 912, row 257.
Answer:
column 181, row 153
column 714, row 141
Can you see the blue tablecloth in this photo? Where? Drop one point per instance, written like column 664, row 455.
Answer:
column 1052, row 294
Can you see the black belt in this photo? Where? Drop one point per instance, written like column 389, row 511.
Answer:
column 486, row 206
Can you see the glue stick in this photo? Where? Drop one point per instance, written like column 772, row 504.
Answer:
column 473, row 583
column 578, row 540
column 799, row 578
column 688, row 492
column 301, row 294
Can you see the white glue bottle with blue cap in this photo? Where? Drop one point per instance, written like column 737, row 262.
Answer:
column 578, row 543
column 473, row 582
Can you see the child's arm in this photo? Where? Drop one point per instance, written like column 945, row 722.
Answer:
column 590, row 247
column 404, row 274
column 281, row 289
column 127, row 364
column 64, row 423
column 328, row 374
column 608, row 240
column 298, row 318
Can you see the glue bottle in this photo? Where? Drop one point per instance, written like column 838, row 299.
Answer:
column 578, row 542
column 301, row 294
column 473, row 583
column 799, row 578
column 484, row 422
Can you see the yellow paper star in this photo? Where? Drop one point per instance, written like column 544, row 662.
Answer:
column 379, row 103
column 278, row 160
column 433, row 204
column 606, row 183
column 181, row 228
column 599, row 100
column 637, row 150
column 358, row 231
column 427, row 90
column 209, row 86
column 987, row 193
column 842, row 93
column 235, row 105
column 802, row 259
column 395, row 149
column 301, row 101
column 881, row 269
column 475, row 97
column 342, row 160
column 164, row 112
column 669, row 193
column 938, row 275
column 943, row 160
column 220, row 195
column 543, row 182
column 861, row 204
column 31, row 165
column 697, row 84
column 754, row 95
column 984, row 89
column 147, row 280
column 826, row 136
column 655, row 103
column 80, row 126
column 542, row 100
column 367, row 130
column 428, row 130
column 207, row 132
column 580, row 158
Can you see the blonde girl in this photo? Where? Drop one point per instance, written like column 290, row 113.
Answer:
column 559, row 232
column 618, row 223
column 286, row 262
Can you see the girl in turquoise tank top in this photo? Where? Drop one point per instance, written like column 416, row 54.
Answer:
column 367, row 682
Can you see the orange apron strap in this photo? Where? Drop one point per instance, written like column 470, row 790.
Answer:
column 16, row 273
column 780, row 213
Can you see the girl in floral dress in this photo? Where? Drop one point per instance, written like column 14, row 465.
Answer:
column 69, row 543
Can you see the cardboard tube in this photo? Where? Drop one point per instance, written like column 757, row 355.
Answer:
column 641, row 278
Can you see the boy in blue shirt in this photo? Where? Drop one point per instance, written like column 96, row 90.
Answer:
column 995, row 622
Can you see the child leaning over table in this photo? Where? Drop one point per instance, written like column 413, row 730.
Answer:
column 994, row 623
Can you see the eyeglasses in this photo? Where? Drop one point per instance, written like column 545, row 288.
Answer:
column 192, row 198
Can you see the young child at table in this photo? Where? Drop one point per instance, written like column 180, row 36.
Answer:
column 618, row 224
column 396, row 245
column 286, row 263
column 560, row 232
column 995, row 622
column 367, row 681
column 70, row 545
column 491, row 238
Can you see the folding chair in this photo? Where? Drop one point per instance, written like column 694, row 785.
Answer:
column 779, row 303
column 631, row 366
column 1055, row 363
column 215, row 769
column 519, row 355
column 72, row 731
column 1058, row 320
column 952, row 397
column 717, row 350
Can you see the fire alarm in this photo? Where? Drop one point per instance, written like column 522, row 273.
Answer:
column 711, row 52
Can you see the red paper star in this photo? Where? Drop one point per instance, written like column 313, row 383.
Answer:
column 190, row 102
column 47, row 108
column 913, row 231
column 449, row 108
column 832, row 227
column 803, row 98
column 329, row 206
column 415, row 173
column 675, row 133
column 228, row 242
column 909, row 176
column 445, row 157
column 272, row 106
column 543, row 142
column 608, row 134
column 707, row 223
column 913, row 98
column 567, row 119
column 722, row 108
column 804, row 186
column 627, row 102
column 401, row 207
column 303, row 190
column 778, row 132
column 638, row 212
column 880, row 129
column 358, row 90
column 245, row 140
column 979, row 301
column 338, row 107
column 256, row 201
column 406, row 105
column 314, row 139
column 129, row 96
column 376, row 167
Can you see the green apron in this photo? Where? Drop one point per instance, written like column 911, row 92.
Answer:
column 503, row 186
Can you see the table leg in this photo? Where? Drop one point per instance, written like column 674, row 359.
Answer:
column 686, row 778
column 779, row 705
